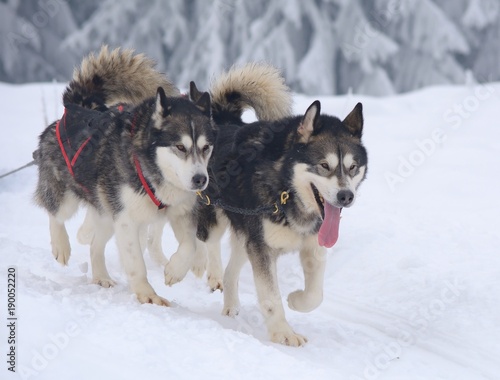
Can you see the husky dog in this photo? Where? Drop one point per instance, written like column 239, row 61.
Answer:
column 131, row 164
column 282, row 186
column 256, row 86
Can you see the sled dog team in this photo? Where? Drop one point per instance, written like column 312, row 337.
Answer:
column 139, row 155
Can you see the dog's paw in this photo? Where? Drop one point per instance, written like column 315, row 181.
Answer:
column 61, row 252
column 199, row 265
column 215, row 283
column 304, row 302
column 174, row 273
column 104, row 282
column 176, row 269
column 85, row 234
column 288, row 338
column 231, row 311
column 153, row 299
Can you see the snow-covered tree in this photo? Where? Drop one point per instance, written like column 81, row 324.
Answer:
column 30, row 46
column 157, row 28
column 428, row 44
column 374, row 47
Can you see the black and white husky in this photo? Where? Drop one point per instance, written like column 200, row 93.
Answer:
column 281, row 185
column 256, row 86
column 131, row 154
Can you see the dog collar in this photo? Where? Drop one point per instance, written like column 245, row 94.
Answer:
column 146, row 186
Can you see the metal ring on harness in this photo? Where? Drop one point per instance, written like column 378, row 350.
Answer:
column 206, row 199
column 284, row 197
column 276, row 208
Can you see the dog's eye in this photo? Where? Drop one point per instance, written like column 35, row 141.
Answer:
column 181, row 147
column 206, row 148
column 353, row 169
column 325, row 166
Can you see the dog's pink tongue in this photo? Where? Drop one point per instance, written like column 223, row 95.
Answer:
column 329, row 230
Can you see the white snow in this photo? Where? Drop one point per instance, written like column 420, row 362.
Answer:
column 412, row 287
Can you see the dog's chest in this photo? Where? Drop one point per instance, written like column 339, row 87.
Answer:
column 281, row 237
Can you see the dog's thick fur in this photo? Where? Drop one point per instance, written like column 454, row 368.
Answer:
column 117, row 76
column 256, row 86
column 317, row 161
column 170, row 137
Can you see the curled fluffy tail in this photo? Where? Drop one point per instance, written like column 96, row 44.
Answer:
column 255, row 85
column 113, row 77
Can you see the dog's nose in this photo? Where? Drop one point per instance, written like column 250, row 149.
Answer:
column 345, row 197
column 199, row 180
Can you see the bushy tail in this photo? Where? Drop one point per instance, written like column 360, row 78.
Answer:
column 117, row 76
column 255, row 85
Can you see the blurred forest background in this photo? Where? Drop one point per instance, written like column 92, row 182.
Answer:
column 375, row 47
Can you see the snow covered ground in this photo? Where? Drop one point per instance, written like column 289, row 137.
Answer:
column 412, row 288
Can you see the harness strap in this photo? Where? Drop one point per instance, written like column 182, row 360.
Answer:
column 146, row 186
column 61, row 145
column 69, row 163
column 273, row 209
column 138, row 168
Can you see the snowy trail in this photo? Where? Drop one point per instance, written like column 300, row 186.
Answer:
column 400, row 334
column 411, row 288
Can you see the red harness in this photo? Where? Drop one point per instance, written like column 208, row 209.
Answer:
column 70, row 163
column 144, row 183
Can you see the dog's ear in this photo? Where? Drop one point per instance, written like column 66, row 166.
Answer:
column 354, row 121
column 308, row 123
column 204, row 104
column 162, row 106
column 194, row 93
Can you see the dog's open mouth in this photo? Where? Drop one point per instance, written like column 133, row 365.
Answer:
column 319, row 200
column 329, row 230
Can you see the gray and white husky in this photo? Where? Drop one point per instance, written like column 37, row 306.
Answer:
column 134, row 152
column 282, row 186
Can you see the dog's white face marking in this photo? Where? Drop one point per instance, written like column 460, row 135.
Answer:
column 332, row 159
column 302, row 179
column 348, row 161
column 187, row 142
column 204, row 149
column 180, row 170
column 354, row 173
column 356, row 180
column 201, row 143
column 180, row 163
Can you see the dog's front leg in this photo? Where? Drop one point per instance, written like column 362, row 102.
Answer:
column 87, row 229
column 102, row 231
column 127, row 238
column 266, row 281
column 154, row 242
column 59, row 239
column 182, row 260
column 238, row 258
column 214, row 267
column 313, row 260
